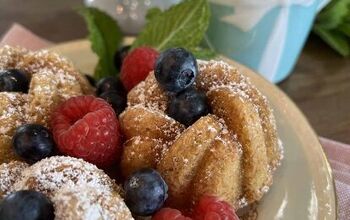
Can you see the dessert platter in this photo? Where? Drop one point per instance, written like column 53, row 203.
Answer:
column 185, row 139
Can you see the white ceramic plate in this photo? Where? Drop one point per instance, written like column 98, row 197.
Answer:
column 303, row 186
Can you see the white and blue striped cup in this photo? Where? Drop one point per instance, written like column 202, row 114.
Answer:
column 266, row 35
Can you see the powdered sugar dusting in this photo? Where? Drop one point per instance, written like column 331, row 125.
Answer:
column 47, row 90
column 9, row 174
column 141, row 115
column 12, row 111
column 149, row 94
column 51, row 174
column 87, row 203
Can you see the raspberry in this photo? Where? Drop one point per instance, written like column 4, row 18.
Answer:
column 137, row 65
column 169, row 214
column 87, row 127
column 211, row 208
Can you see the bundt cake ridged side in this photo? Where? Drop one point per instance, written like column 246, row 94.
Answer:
column 149, row 133
column 153, row 124
column 179, row 165
column 215, row 74
column 220, row 173
column 141, row 152
column 241, row 117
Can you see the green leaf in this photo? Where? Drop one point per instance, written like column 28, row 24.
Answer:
column 182, row 25
column 105, row 37
column 335, row 39
column 152, row 13
column 203, row 53
column 344, row 28
column 334, row 14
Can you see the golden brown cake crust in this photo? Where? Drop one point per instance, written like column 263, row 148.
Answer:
column 219, row 172
column 139, row 120
column 241, row 117
column 52, row 80
column 246, row 130
column 214, row 74
column 180, row 163
column 140, row 152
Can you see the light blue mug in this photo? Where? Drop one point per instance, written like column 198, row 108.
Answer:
column 266, row 35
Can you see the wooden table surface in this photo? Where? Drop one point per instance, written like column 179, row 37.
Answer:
column 319, row 84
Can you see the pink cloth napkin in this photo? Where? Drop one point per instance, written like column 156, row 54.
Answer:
column 338, row 153
column 18, row 35
column 339, row 158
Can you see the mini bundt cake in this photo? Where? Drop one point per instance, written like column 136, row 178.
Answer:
column 52, row 80
column 230, row 153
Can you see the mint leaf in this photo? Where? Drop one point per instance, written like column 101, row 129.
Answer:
column 152, row 13
column 105, row 37
column 182, row 25
column 344, row 28
column 334, row 14
column 203, row 53
column 336, row 40
column 333, row 26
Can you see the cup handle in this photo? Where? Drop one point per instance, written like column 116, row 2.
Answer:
column 322, row 4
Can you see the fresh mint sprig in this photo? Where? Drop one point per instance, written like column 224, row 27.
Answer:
column 105, row 37
column 182, row 25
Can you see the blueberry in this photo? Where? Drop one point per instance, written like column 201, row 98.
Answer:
column 26, row 205
column 120, row 55
column 117, row 100
column 110, row 83
column 91, row 80
column 13, row 80
column 188, row 106
column 176, row 69
column 145, row 192
column 33, row 142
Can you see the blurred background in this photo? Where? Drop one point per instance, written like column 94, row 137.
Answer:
column 319, row 83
